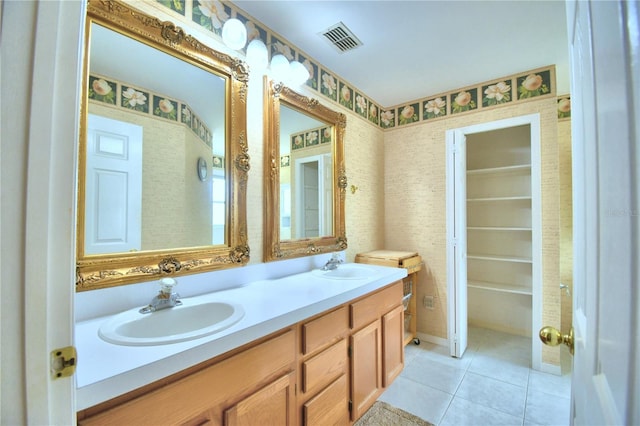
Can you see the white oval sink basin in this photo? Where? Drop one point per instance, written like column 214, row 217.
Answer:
column 191, row 320
column 346, row 272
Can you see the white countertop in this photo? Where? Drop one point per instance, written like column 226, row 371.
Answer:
column 106, row 370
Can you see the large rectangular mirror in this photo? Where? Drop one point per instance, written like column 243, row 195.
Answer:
column 305, row 177
column 163, row 156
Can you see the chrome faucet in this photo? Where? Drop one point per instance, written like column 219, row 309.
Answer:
column 332, row 263
column 166, row 297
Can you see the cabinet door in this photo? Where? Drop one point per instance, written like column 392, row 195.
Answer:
column 271, row 405
column 366, row 368
column 392, row 344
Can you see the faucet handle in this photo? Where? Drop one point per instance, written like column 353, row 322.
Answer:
column 167, row 284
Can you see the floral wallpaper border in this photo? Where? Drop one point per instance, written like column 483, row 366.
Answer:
column 311, row 137
column 516, row 88
column 123, row 95
column 564, row 107
column 211, row 15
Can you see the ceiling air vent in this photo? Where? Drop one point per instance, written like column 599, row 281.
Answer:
column 341, row 37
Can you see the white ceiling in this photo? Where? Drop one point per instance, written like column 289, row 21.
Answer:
column 415, row 49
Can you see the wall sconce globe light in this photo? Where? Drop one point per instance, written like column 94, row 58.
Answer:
column 257, row 55
column 280, row 66
column 234, row 36
column 299, row 73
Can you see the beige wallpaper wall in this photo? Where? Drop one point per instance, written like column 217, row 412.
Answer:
column 365, row 165
column 415, row 205
column 566, row 222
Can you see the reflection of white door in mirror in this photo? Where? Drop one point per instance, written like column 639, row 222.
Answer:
column 313, row 200
column 309, row 211
column 285, row 211
column 114, row 186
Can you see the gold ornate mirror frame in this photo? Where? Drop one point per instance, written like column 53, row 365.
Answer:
column 276, row 94
column 106, row 270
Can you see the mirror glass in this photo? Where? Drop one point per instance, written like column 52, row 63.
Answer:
column 163, row 155
column 305, row 177
column 151, row 117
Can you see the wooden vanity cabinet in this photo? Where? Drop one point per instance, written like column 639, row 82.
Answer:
column 349, row 355
column 307, row 375
column 257, row 382
column 377, row 342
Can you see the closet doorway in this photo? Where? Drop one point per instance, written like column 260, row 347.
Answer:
column 494, row 230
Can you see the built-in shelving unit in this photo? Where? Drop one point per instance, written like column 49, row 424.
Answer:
column 499, row 216
column 494, row 241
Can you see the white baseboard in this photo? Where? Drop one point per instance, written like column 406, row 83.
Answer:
column 551, row 369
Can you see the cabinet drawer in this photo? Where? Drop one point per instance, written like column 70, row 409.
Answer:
column 324, row 330
column 324, row 367
column 365, row 311
column 329, row 407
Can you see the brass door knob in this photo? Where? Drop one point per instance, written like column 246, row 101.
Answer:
column 553, row 337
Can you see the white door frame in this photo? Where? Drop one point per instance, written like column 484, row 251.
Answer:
column 456, row 208
column 51, row 214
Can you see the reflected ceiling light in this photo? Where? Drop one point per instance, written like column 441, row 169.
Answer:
column 234, row 34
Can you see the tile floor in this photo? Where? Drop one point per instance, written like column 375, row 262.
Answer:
column 492, row 384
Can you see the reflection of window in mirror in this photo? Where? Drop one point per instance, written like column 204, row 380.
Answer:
column 219, row 188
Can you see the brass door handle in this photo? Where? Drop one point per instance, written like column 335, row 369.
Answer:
column 553, row 337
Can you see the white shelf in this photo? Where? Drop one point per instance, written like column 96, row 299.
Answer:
column 500, row 287
column 498, row 228
column 485, row 199
column 505, row 169
column 515, row 259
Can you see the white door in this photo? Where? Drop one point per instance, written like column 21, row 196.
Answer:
column 457, row 241
column 605, row 92
column 113, row 197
